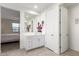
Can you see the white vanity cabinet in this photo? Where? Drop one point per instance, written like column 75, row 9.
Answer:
column 34, row 41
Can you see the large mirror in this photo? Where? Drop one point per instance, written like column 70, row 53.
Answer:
column 29, row 22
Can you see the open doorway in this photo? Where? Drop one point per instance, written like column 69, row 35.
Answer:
column 10, row 29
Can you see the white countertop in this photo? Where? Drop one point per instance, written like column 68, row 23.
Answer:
column 32, row 33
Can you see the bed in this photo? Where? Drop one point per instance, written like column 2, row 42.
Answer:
column 10, row 37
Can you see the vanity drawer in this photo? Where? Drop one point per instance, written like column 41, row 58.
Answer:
column 34, row 42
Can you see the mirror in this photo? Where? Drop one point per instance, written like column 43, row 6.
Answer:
column 29, row 22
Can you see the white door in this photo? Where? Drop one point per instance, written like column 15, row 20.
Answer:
column 64, row 29
column 52, row 28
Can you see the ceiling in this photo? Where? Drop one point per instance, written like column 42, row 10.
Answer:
column 29, row 9
column 68, row 5
column 29, row 16
column 27, row 6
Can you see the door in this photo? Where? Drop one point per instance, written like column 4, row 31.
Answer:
column 63, row 30
column 52, row 28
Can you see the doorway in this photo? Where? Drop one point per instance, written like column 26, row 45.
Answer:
column 10, row 29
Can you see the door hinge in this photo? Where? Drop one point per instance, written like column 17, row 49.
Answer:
column 59, row 46
column 59, row 34
column 59, row 22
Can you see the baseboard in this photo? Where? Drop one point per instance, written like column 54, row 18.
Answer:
column 74, row 50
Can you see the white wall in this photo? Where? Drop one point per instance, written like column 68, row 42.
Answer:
column 22, row 29
column 74, row 28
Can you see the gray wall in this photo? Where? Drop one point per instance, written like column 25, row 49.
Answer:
column 6, row 26
column 8, row 16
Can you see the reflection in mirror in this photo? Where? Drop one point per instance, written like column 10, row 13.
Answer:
column 29, row 22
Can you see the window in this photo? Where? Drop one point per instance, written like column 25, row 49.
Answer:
column 15, row 27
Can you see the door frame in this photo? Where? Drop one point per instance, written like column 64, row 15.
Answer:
column 59, row 29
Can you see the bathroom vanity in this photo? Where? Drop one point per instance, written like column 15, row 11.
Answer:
column 33, row 40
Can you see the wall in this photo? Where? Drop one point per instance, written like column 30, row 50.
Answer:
column 8, row 16
column 74, row 28
column 6, row 25
column 22, row 28
column 8, row 13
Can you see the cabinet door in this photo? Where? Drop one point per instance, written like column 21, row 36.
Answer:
column 41, row 40
column 35, row 42
column 28, row 43
column 38, row 41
